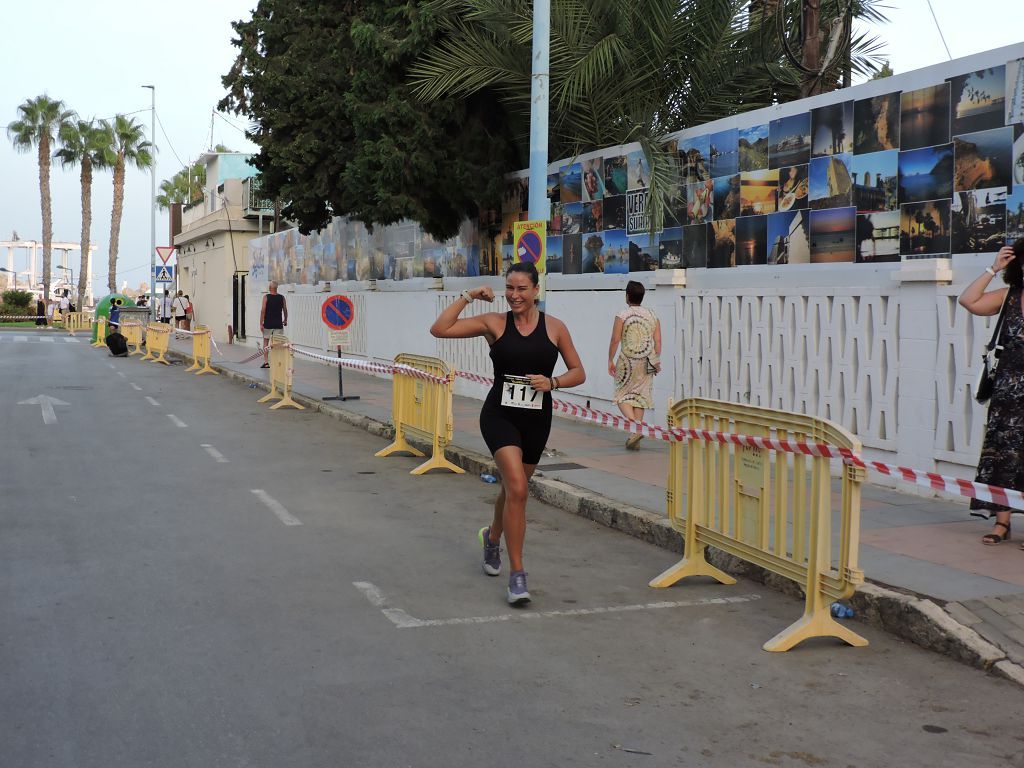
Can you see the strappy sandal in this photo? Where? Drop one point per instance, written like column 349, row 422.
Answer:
column 991, row 539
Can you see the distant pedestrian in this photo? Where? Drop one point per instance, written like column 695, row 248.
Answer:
column 273, row 318
column 1002, row 452
column 40, row 311
column 188, row 313
column 64, row 303
column 180, row 311
column 165, row 307
column 638, row 332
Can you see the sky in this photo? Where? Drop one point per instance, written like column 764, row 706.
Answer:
column 97, row 55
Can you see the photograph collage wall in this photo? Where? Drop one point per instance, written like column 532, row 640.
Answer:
column 931, row 172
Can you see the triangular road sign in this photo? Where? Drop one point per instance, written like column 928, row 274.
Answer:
column 164, row 252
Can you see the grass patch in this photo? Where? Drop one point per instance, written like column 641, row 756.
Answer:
column 18, row 324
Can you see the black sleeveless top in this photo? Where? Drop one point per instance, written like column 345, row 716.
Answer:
column 273, row 317
column 519, row 355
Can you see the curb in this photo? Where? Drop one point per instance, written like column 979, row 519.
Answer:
column 911, row 617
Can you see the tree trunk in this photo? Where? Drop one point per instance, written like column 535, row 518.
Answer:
column 44, row 197
column 83, row 275
column 115, row 223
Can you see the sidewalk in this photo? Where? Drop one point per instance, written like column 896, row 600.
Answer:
column 928, row 547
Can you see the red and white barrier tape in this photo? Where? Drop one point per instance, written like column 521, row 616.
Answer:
column 12, row 318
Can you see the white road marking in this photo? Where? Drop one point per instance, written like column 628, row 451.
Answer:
column 45, row 403
column 71, row 340
column 176, row 421
column 276, row 507
column 402, row 620
column 21, row 339
column 136, row 387
column 47, row 339
column 111, row 365
column 152, row 401
column 121, row 374
column 214, row 453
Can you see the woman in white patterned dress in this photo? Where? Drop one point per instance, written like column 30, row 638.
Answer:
column 638, row 332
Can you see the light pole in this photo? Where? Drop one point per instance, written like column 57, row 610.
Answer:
column 152, row 206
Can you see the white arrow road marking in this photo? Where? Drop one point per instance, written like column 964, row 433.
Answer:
column 276, row 507
column 121, row 374
column 176, row 421
column 46, row 403
column 403, row 620
column 152, row 401
column 136, row 387
column 214, row 453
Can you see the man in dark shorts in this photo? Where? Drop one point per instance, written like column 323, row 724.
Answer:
column 273, row 318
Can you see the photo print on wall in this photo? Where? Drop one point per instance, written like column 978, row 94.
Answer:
column 593, row 180
column 554, row 254
column 726, row 197
column 924, row 229
column 926, row 174
column 831, row 184
column 759, row 192
column 978, row 101
column 751, row 240
column 593, row 250
column 724, row 151
column 639, row 172
column 693, row 159
column 670, row 249
column 924, row 117
column 572, row 254
column 1015, row 215
column 616, row 175
column 753, row 143
column 615, row 212
column 832, row 129
column 789, row 141
column 833, row 235
column 789, row 238
column 983, row 160
column 878, row 237
column 1014, row 97
column 695, row 247
column 643, row 253
column 876, row 181
column 571, row 180
column 876, row 124
column 722, row 244
column 700, row 198
column 978, row 219
column 794, row 187
column 612, row 253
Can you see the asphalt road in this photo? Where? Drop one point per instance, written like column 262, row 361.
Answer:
column 239, row 587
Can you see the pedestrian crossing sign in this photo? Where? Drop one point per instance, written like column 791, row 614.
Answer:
column 164, row 274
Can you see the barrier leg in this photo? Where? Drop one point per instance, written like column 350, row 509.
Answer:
column 694, row 565
column 206, row 369
column 816, row 622
column 400, row 445
column 437, row 458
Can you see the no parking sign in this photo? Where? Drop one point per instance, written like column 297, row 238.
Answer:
column 338, row 312
column 531, row 246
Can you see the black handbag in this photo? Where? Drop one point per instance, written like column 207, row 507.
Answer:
column 990, row 358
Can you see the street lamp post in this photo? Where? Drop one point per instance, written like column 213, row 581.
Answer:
column 152, row 206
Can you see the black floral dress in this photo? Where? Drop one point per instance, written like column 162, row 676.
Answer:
column 1002, row 453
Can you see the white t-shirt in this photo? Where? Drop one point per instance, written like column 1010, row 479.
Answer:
column 165, row 306
column 65, row 303
column 180, row 306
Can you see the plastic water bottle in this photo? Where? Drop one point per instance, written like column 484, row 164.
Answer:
column 488, row 478
column 841, row 611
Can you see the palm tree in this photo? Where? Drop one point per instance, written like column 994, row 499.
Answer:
column 128, row 148
column 186, row 186
column 624, row 71
column 88, row 145
column 39, row 122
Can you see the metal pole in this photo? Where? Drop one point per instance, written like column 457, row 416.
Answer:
column 539, row 207
column 152, row 206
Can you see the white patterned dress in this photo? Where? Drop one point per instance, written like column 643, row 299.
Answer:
column 632, row 381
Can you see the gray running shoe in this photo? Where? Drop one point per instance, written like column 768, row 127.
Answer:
column 517, row 591
column 492, row 552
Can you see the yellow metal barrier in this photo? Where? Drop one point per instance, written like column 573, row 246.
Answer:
column 158, row 335
column 280, row 374
column 423, row 409
column 132, row 333
column 101, row 332
column 201, row 351
column 77, row 321
column 770, row 508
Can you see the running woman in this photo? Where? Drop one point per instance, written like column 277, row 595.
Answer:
column 516, row 416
